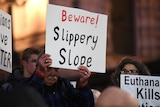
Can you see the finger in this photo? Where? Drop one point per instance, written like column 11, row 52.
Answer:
column 84, row 70
column 45, row 56
column 48, row 60
column 45, row 60
column 84, row 74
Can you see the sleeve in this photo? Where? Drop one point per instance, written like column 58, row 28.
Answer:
column 86, row 98
column 80, row 96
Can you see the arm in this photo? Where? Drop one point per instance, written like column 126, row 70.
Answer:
column 84, row 95
column 41, row 70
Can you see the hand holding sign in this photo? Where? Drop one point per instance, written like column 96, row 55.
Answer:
column 84, row 76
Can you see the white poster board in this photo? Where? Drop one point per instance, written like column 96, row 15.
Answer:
column 76, row 37
column 5, row 42
column 145, row 88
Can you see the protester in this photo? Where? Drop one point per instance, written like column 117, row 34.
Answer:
column 57, row 91
column 116, row 97
column 28, row 66
column 129, row 65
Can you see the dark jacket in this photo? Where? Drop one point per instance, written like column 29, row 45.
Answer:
column 14, row 79
column 62, row 93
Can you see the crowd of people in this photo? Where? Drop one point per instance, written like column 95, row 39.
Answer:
column 52, row 89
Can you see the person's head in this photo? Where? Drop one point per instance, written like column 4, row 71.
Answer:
column 28, row 61
column 116, row 97
column 51, row 76
column 132, row 66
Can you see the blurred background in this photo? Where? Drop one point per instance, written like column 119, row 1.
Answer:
column 133, row 27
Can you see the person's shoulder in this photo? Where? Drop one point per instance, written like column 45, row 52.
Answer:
column 63, row 80
column 15, row 76
column 18, row 72
column 6, row 87
column 15, row 69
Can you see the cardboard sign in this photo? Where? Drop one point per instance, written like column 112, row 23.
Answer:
column 5, row 42
column 145, row 88
column 76, row 37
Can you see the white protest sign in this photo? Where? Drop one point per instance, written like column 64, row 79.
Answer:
column 5, row 42
column 145, row 88
column 76, row 37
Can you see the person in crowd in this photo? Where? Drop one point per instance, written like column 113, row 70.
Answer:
column 129, row 65
column 115, row 97
column 58, row 91
column 25, row 71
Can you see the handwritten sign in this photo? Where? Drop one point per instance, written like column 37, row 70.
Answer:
column 145, row 88
column 5, row 42
column 76, row 37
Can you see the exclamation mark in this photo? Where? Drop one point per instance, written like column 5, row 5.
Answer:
column 97, row 20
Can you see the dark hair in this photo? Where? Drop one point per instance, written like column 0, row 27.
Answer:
column 40, row 54
column 26, row 54
column 142, row 68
